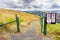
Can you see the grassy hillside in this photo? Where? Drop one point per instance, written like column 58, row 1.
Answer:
column 9, row 15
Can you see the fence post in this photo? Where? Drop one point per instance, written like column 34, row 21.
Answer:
column 45, row 26
column 18, row 24
column 41, row 23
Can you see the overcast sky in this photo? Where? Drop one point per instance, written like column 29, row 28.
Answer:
column 44, row 5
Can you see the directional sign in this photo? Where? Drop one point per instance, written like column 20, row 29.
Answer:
column 51, row 18
column 48, row 19
column 53, row 15
column 48, row 16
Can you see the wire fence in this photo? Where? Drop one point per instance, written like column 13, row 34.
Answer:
column 7, row 23
column 17, row 23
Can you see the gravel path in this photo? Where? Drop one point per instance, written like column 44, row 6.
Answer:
column 29, row 34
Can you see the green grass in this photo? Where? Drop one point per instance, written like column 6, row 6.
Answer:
column 53, row 28
column 9, row 19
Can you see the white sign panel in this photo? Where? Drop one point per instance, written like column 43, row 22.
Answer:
column 48, row 18
column 53, row 15
column 49, row 21
column 51, row 18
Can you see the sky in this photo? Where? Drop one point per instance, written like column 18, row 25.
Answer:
column 28, row 5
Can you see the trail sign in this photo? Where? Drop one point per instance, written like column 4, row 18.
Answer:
column 48, row 16
column 51, row 18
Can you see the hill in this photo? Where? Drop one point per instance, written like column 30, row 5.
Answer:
column 9, row 15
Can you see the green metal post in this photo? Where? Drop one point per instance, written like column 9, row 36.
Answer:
column 41, row 24
column 18, row 24
column 45, row 26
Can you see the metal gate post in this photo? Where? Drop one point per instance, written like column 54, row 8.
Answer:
column 18, row 24
column 41, row 23
column 45, row 26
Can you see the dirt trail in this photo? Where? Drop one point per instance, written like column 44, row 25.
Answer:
column 29, row 34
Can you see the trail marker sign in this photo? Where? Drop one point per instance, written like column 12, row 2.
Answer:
column 48, row 20
column 51, row 18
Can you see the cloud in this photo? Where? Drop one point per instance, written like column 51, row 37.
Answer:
column 3, row 5
column 28, row 5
